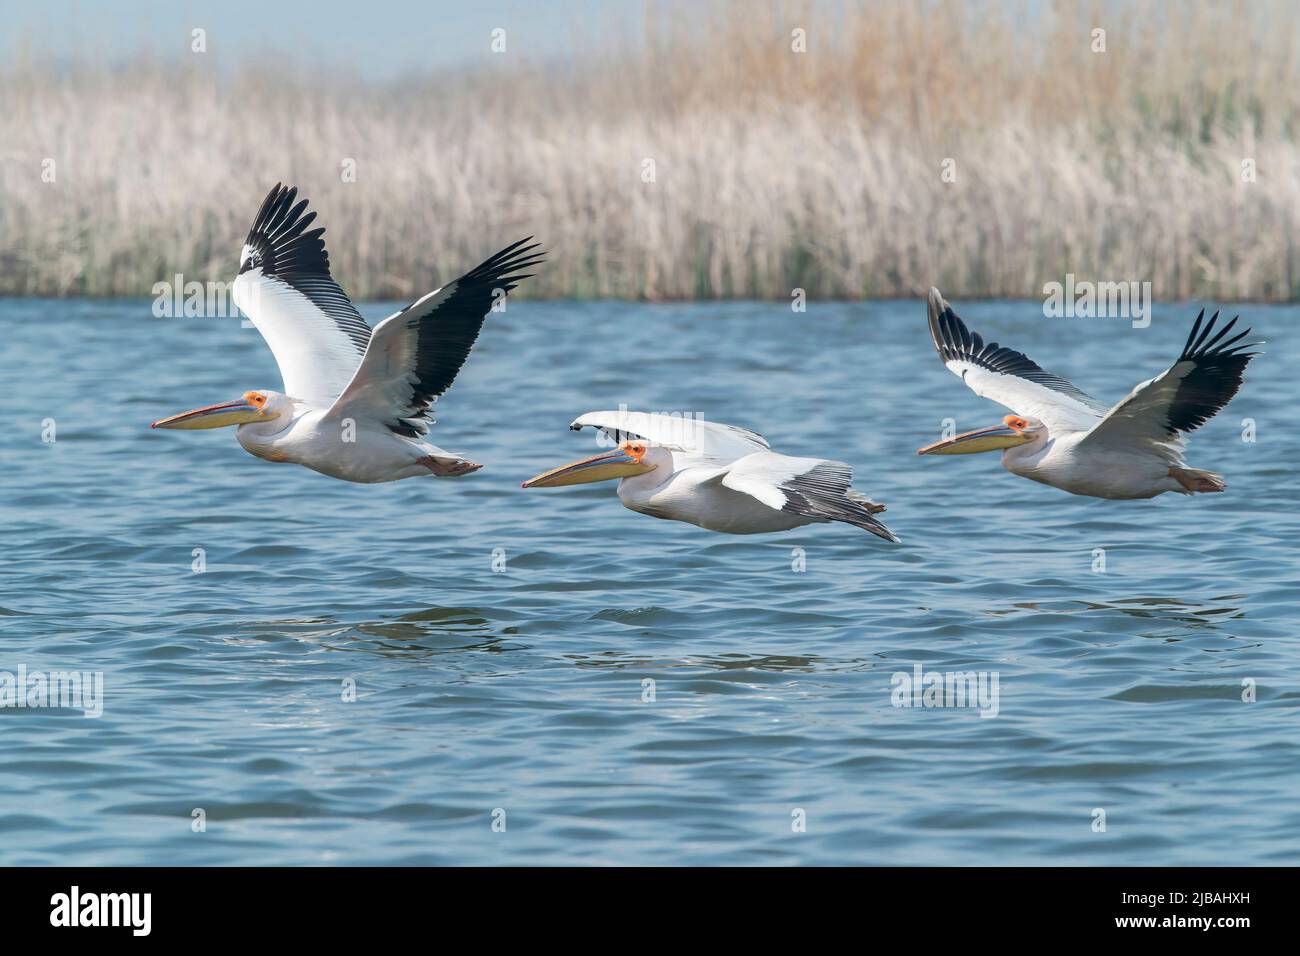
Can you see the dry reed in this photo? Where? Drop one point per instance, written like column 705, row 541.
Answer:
column 773, row 170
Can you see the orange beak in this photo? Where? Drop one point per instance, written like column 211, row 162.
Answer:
column 238, row 412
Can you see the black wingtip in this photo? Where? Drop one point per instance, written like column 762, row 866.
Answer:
column 1215, row 364
column 938, row 310
column 501, row 270
column 876, row 527
column 936, row 301
column 1191, row 336
column 1201, row 344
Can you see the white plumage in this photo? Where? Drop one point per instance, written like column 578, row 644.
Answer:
column 719, row 477
column 1062, row 436
column 356, row 403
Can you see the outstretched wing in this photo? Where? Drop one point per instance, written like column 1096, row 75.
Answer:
column 692, row 440
column 1184, row 397
column 1008, row 377
column 812, row 487
column 415, row 354
column 285, row 287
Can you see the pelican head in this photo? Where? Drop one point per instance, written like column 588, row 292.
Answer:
column 1015, row 430
column 259, row 406
column 626, row 461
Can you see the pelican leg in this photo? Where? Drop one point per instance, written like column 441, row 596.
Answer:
column 871, row 507
column 1197, row 481
column 449, row 467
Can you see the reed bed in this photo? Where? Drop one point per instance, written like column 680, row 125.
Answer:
column 773, row 170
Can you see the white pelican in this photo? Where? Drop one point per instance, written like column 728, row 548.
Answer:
column 719, row 477
column 1063, row 437
column 356, row 401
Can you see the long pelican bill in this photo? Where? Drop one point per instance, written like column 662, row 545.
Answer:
column 220, row 415
column 994, row 438
column 615, row 464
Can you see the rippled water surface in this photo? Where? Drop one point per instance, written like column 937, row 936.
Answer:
column 518, row 695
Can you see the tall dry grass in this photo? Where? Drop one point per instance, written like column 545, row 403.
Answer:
column 773, row 169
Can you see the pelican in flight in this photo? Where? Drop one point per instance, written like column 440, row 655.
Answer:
column 1060, row 436
column 356, row 401
column 719, row 477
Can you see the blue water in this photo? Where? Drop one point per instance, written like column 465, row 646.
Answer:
column 522, row 690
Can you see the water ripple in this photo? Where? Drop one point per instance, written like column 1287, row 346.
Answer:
column 451, row 672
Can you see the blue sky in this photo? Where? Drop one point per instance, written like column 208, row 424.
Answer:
column 377, row 38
